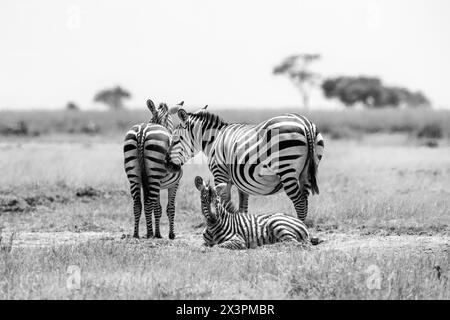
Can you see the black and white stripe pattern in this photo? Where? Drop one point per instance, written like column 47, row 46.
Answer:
column 280, row 153
column 145, row 148
column 228, row 228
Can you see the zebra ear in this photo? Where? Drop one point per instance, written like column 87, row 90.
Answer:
column 183, row 115
column 199, row 183
column 181, row 103
column 204, row 108
column 151, row 107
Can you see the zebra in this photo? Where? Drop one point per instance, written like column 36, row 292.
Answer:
column 280, row 153
column 228, row 228
column 144, row 151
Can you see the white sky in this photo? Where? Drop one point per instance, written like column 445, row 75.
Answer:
column 219, row 53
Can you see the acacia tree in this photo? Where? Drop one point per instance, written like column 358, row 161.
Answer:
column 296, row 67
column 112, row 97
column 371, row 92
column 72, row 106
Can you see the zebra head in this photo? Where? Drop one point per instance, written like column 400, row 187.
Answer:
column 194, row 134
column 184, row 145
column 163, row 115
column 208, row 196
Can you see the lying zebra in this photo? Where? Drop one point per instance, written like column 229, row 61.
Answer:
column 144, row 150
column 231, row 229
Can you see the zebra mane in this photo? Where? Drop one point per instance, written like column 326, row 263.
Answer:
column 206, row 116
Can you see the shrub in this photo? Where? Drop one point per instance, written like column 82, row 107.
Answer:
column 431, row 131
column 18, row 129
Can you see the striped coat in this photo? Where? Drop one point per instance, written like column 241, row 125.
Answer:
column 145, row 148
column 281, row 153
column 228, row 228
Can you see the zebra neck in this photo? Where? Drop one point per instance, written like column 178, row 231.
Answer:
column 169, row 124
column 211, row 222
column 210, row 136
column 210, row 217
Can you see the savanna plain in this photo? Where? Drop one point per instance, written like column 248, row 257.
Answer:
column 383, row 212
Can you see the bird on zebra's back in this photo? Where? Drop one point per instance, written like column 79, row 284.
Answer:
column 228, row 228
column 145, row 148
column 281, row 153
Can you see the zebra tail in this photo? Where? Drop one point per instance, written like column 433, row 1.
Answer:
column 312, row 168
column 141, row 161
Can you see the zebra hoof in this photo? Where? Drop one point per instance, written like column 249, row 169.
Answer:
column 158, row 236
column 172, row 236
column 149, row 235
column 136, row 236
column 315, row 241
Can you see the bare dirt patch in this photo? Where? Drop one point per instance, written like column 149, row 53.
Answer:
column 335, row 241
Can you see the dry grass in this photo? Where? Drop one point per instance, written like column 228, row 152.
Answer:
column 370, row 184
column 374, row 187
column 113, row 270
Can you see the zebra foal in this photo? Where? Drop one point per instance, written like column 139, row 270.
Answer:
column 228, row 228
column 144, row 151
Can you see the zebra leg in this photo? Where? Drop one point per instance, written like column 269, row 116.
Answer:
column 137, row 208
column 286, row 236
column 208, row 238
column 303, row 206
column 148, row 208
column 172, row 192
column 234, row 243
column 157, row 212
column 243, row 202
column 280, row 230
column 292, row 188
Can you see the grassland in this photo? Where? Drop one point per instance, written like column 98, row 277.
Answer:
column 337, row 124
column 383, row 211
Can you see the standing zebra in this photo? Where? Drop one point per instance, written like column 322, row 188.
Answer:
column 280, row 153
column 231, row 229
column 144, row 151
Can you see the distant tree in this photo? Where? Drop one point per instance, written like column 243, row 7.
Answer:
column 411, row 99
column 72, row 106
column 112, row 97
column 296, row 67
column 371, row 92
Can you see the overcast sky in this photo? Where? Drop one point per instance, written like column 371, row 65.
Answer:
column 219, row 53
